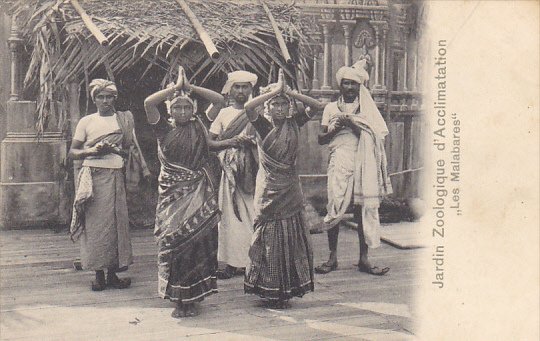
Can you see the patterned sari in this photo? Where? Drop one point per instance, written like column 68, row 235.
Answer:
column 281, row 258
column 186, row 216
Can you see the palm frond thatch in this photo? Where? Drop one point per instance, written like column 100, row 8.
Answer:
column 156, row 33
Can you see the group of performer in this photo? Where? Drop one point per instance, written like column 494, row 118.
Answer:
column 230, row 192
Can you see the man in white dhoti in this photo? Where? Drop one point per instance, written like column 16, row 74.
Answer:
column 232, row 133
column 354, row 130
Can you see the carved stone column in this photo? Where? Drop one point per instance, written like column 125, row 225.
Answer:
column 15, row 46
column 405, row 60
column 33, row 189
column 381, row 31
column 378, row 58
column 316, row 83
column 383, row 77
column 415, row 63
column 326, row 58
column 347, row 30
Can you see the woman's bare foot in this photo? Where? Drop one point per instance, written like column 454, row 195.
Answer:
column 277, row 304
column 191, row 310
column 179, row 311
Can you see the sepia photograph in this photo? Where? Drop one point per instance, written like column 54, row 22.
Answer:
column 269, row 170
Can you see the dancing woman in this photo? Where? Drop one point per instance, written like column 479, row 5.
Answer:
column 187, row 212
column 281, row 258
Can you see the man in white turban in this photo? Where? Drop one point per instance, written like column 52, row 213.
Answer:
column 100, row 215
column 233, row 135
column 354, row 129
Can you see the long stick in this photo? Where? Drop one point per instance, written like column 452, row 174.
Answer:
column 207, row 41
column 277, row 32
column 90, row 24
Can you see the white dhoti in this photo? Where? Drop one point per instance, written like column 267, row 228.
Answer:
column 234, row 235
column 357, row 174
column 341, row 191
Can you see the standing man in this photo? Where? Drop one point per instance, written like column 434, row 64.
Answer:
column 232, row 134
column 355, row 130
column 100, row 215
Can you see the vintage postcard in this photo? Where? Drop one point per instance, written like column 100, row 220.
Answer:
column 269, row 170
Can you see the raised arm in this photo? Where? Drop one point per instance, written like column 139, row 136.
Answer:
column 217, row 100
column 311, row 102
column 151, row 102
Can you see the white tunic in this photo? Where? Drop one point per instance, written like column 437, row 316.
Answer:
column 234, row 235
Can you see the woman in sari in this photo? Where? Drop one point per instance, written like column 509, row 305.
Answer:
column 187, row 211
column 281, row 258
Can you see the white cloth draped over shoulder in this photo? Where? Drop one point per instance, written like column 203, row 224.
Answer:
column 235, row 190
column 357, row 168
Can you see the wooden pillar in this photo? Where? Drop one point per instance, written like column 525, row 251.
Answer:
column 15, row 46
column 347, row 29
column 326, row 58
column 74, row 117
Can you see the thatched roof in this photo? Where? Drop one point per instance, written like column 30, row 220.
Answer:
column 156, row 33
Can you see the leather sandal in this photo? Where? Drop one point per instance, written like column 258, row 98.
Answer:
column 118, row 283
column 325, row 268
column 374, row 270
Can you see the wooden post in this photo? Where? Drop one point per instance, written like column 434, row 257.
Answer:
column 96, row 32
column 74, row 117
column 207, row 41
column 277, row 32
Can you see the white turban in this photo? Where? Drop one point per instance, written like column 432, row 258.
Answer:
column 239, row 77
column 357, row 72
column 97, row 85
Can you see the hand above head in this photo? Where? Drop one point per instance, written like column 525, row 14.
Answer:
column 282, row 85
column 180, row 81
column 186, row 84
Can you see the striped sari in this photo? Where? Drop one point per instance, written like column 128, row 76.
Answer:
column 186, row 217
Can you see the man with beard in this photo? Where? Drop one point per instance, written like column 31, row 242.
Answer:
column 233, row 136
column 354, row 130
